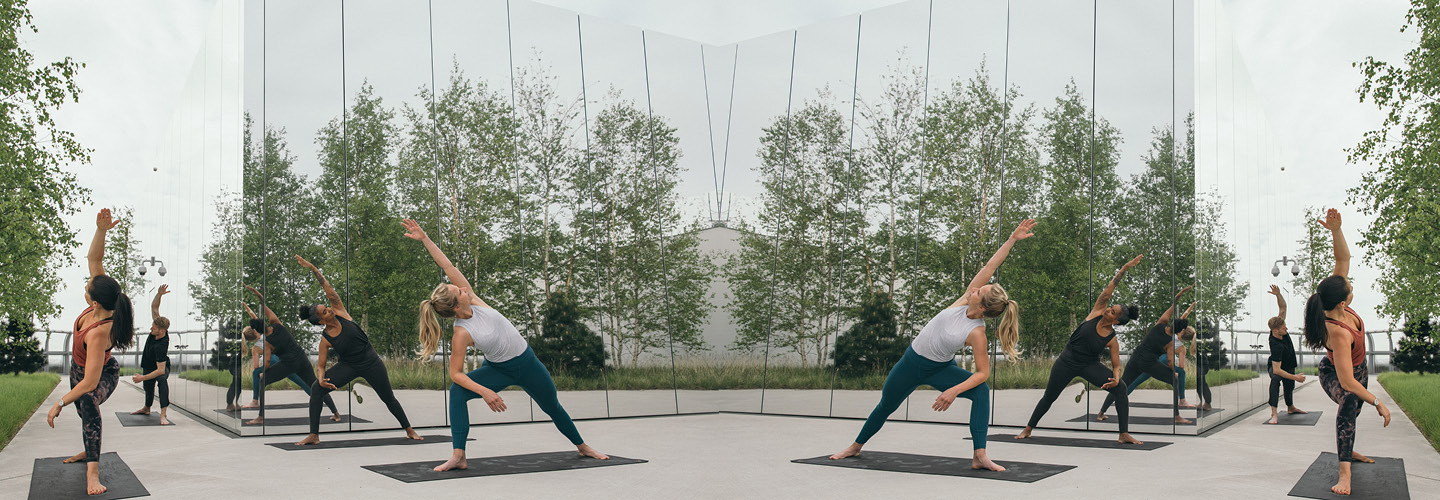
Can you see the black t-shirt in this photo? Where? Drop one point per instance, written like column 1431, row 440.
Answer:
column 1283, row 351
column 352, row 346
column 1085, row 343
column 156, row 351
column 282, row 344
column 1153, row 345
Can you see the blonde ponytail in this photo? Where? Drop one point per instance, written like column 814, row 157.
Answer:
column 429, row 330
column 997, row 303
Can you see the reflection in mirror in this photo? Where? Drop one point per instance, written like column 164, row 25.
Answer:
column 1048, row 176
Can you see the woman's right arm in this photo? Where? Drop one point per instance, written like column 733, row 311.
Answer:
column 1342, row 250
column 269, row 315
column 452, row 273
column 1104, row 299
column 324, row 355
column 99, row 341
column 459, row 345
column 96, row 255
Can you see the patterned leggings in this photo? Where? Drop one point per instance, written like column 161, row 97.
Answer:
column 1350, row 406
column 88, row 406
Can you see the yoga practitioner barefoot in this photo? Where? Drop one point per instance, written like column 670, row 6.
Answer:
column 1146, row 360
column 1282, row 363
column 930, row 359
column 154, row 360
column 1330, row 323
column 357, row 358
column 107, row 324
column 283, row 358
column 1081, row 357
column 508, row 359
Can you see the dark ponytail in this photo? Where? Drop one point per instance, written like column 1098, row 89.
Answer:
column 1179, row 325
column 1330, row 293
column 1127, row 313
column 106, row 291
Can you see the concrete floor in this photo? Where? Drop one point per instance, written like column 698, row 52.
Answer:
column 720, row 456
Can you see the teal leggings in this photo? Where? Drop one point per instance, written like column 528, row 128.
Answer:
column 913, row 370
column 525, row 371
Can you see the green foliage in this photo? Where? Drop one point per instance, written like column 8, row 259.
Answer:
column 23, row 394
column 1401, row 192
column 1418, row 395
column 1419, row 351
column 228, row 349
column 38, row 188
column 1316, row 256
column 567, row 344
column 20, row 349
column 122, row 255
column 872, row 343
column 1209, row 349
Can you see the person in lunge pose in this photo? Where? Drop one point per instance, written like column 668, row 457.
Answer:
column 155, row 360
column 282, row 357
column 1282, row 363
column 508, row 358
column 1081, row 357
column 357, row 358
column 108, row 323
column 930, row 359
column 1330, row 323
column 1149, row 358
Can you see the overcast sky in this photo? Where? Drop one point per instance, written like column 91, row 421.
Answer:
column 1298, row 55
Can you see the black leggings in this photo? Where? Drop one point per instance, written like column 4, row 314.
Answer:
column 1066, row 370
column 1202, row 387
column 302, row 369
column 88, row 405
column 163, row 381
column 232, row 393
column 1138, row 364
column 1275, row 382
column 1350, row 405
column 341, row 374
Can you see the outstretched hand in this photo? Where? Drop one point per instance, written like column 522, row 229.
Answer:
column 164, row 289
column 1331, row 220
column 1111, row 383
column 1182, row 292
column 413, row 230
column 1023, row 231
column 304, row 263
column 1133, row 262
column 1274, row 290
column 104, row 222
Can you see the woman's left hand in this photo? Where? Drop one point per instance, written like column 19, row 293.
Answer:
column 1384, row 412
column 326, row 384
column 943, row 401
column 55, row 412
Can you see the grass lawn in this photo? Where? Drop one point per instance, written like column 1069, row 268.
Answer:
column 1419, row 396
column 23, row 393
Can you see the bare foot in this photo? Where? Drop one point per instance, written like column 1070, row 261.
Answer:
column 142, row 411
column 1127, row 439
column 311, row 439
column 1183, row 420
column 1186, row 404
column 1024, row 434
column 253, row 404
column 164, row 421
column 456, row 462
column 1101, row 417
column 411, row 434
column 849, row 451
column 232, row 407
column 981, row 461
column 92, row 479
column 1342, row 487
column 255, row 421
column 336, row 418
column 586, row 451
column 1274, row 419
column 1296, row 411
column 78, row 457
column 1362, row 458
column 1205, row 407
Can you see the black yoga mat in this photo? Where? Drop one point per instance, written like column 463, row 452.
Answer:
column 1295, row 419
column 1167, row 406
column 324, row 419
column 414, row 472
column 52, row 479
column 275, row 406
column 361, row 443
column 1020, row 472
column 1078, row 442
column 128, row 420
column 1134, row 419
column 1384, row 479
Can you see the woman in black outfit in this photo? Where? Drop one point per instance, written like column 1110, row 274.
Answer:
column 1081, row 357
column 357, row 358
column 1282, row 363
column 294, row 362
column 1145, row 359
column 155, row 359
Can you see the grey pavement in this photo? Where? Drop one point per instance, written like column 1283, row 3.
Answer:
column 724, row 455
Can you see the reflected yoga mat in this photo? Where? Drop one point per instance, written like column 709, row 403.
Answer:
column 1295, row 419
column 1134, row 419
column 414, row 472
column 1020, row 472
column 361, row 443
column 1384, row 479
column 1167, row 406
column 269, row 407
column 1078, row 442
column 324, row 419
column 51, row 479
column 128, row 420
